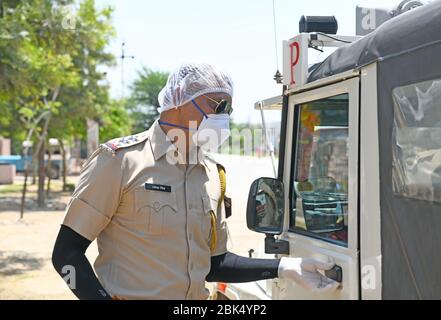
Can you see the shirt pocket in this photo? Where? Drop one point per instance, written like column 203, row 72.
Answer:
column 152, row 209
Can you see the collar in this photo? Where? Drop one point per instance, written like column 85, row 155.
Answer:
column 159, row 141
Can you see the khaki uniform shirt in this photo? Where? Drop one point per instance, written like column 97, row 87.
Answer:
column 151, row 218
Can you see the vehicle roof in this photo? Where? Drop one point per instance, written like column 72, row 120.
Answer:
column 409, row 31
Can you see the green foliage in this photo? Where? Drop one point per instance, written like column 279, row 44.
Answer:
column 116, row 122
column 51, row 64
column 143, row 100
column 89, row 98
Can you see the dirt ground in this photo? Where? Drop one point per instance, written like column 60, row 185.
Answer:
column 26, row 270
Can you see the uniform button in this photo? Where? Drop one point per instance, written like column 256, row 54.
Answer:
column 156, row 205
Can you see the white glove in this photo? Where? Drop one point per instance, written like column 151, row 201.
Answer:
column 305, row 273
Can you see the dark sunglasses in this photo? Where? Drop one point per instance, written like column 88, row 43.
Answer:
column 222, row 106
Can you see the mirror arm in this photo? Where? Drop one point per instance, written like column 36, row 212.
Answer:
column 276, row 246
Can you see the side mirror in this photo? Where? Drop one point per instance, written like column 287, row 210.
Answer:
column 265, row 212
column 266, row 206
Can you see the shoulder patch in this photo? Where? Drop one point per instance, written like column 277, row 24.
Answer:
column 114, row 145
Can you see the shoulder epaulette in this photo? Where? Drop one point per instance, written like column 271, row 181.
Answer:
column 114, row 145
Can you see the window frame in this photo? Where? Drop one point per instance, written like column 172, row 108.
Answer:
column 350, row 87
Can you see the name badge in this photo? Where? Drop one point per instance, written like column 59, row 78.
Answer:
column 157, row 187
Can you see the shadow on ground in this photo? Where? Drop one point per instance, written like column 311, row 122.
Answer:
column 54, row 203
column 18, row 262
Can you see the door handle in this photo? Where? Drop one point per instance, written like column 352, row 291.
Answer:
column 336, row 273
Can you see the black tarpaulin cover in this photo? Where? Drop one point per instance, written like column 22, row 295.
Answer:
column 410, row 166
column 418, row 27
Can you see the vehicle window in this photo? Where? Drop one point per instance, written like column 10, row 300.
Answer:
column 416, row 136
column 320, row 179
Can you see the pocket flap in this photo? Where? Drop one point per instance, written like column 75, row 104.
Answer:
column 154, row 199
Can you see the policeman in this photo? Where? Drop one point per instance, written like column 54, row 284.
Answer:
column 156, row 204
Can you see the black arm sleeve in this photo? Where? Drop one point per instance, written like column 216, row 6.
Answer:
column 229, row 267
column 69, row 250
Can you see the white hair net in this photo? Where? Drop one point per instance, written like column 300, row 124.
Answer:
column 190, row 81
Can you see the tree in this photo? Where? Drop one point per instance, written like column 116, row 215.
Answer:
column 49, row 70
column 143, row 100
column 115, row 122
column 40, row 67
column 90, row 98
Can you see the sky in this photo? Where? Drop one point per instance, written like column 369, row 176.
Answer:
column 235, row 35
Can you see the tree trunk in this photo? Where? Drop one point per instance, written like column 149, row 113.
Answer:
column 41, row 175
column 41, row 168
column 34, row 172
column 23, row 194
column 31, row 166
column 64, row 164
column 49, row 171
